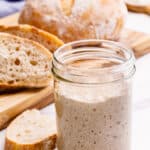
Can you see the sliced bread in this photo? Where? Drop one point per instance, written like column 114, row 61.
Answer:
column 48, row 40
column 23, row 63
column 31, row 131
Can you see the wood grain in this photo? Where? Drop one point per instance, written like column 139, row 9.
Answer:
column 137, row 41
column 14, row 103
column 10, row 20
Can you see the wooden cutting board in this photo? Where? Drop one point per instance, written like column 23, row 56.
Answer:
column 137, row 41
column 11, row 104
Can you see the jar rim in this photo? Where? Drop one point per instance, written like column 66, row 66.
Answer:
column 127, row 65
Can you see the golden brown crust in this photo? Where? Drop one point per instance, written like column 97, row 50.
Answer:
column 138, row 8
column 46, row 144
column 6, row 87
column 38, row 45
column 48, row 40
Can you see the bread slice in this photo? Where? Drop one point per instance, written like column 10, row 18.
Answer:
column 48, row 40
column 139, row 7
column 31, row 131
column 23, row 63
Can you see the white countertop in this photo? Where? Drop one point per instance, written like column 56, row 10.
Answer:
column 141, row 92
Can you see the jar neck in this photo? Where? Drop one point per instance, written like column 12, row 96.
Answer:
column 93, row 62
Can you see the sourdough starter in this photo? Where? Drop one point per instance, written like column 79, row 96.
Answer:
column 93, row 123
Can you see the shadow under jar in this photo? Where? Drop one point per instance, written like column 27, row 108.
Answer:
column 93, row 88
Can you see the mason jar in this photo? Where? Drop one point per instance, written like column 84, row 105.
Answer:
column 93, row 90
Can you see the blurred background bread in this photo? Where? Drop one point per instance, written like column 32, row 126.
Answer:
column 76, row 19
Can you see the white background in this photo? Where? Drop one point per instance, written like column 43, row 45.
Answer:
column 141, row 92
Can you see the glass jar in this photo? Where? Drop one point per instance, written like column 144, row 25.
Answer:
column 93, row 88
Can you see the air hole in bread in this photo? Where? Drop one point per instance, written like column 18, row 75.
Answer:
column 11, row 69
column 46, row 66
column 27, row 131
column 10, row 82
column 17, row 80
column 6, row 45
column 33, row 62
column 28, row 53
column 49, row 76
column 49, row 42
column 18, row 42
column 18, row 135
column 17, row 48
column 12, row 75
column 17, row 62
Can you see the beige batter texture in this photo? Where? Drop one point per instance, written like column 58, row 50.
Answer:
column 95, row 124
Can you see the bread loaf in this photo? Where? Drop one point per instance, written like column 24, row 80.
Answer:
column 76, row 19
column 31, row 131
column 48, row 40
column 23, row 63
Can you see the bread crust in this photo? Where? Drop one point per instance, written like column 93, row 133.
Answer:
column 38, row 45
column 138, row 8
column 21, row 85
column 48, row 40
column 46, row 144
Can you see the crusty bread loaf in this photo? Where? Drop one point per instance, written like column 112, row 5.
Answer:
column 31, row 131
column 48, row 40
column 74, row 20
column 23, row 63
